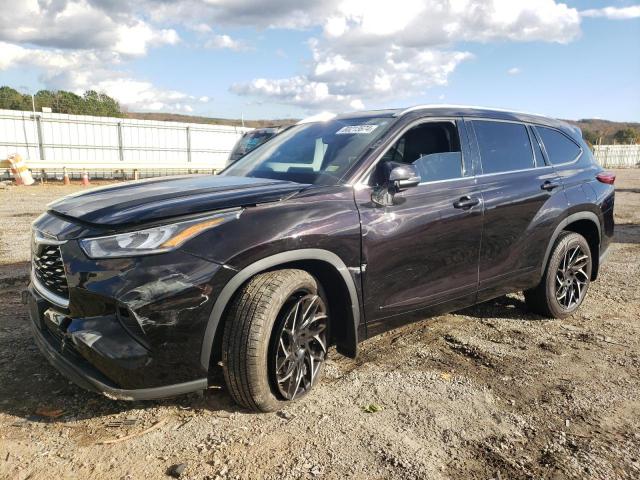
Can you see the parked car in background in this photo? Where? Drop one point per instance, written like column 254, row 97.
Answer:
column 334, row 231
column 251, row 140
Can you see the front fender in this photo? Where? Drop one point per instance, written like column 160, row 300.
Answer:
column 267, row 263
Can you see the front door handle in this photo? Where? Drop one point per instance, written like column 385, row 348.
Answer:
column 466, row 202
column 548, row 185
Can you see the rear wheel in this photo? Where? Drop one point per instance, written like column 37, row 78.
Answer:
column 275, row 339
column 566, row 279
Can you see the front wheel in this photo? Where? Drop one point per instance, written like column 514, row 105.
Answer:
column 275, row 339
column 566, row 279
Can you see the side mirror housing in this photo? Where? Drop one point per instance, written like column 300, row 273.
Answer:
column 403, row 176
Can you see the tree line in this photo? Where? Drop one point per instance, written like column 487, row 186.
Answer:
column 624, row 136
column 61, row 101
column 99, row 104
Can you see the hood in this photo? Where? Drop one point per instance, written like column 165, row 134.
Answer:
column 159, row 198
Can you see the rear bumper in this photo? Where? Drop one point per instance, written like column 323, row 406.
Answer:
column 83, row 374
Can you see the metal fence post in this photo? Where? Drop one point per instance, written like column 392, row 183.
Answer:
column 120, row 145
column 188, row 144
column 40, row 137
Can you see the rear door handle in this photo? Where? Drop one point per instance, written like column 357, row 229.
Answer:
column 548, row 186
column 466, row 202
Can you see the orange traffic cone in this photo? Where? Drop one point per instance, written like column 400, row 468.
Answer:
column 65, row 177
column 85, row 178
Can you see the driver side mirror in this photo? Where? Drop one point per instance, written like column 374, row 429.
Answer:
column 403, row 176
column 394, row 177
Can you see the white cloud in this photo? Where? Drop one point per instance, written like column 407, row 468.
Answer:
column 201, row 28
column 141, row 95
column 373, row 51
column 341, row 85
column 286, row 14
column 79, row 25
column 81, row 71
column 365, row 51
column 16, row 56
column 613, row 13
column 224, row 42
column 514, row 71
column 135, row 39
column 78, row 45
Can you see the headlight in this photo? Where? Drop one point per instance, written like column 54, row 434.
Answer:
column 152, row 240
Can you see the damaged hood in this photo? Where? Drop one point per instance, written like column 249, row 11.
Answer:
column 159, row 198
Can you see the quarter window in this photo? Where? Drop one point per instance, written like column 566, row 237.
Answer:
column 558, row 146
column 504, row 146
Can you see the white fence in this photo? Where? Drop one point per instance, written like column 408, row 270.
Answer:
column 617, row 156
column 50, row 141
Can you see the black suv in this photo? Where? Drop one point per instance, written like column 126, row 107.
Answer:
column 331, row 232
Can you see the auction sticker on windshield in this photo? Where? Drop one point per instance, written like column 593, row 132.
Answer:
column 350, row 129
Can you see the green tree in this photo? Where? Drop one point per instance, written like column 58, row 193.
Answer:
column 11, row 99
column 590, row 136
column 100, row 104
column 110, row 106
column 68, row 102
column 626, row 136
column 61, row 101
column 45, row 98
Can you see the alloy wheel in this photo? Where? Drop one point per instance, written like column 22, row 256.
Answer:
column 302, row 345
column 571, row 277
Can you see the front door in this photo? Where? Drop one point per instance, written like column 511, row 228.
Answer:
column 423, row 249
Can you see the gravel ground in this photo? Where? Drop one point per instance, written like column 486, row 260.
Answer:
column 488, row 392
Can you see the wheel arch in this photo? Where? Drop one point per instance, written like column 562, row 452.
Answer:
column 586, row 224
column 330, row 271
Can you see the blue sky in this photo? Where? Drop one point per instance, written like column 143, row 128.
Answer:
column 276, row 59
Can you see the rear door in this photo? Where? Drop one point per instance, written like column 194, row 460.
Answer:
column 522, row 199
column 563, row 153
column 422, row 250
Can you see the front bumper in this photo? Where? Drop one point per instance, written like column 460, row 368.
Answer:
column 66, row 358
column 128, row 327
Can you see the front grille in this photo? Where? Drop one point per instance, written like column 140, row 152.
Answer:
column 49, row 269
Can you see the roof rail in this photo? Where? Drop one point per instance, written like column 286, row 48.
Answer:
column 428, row 106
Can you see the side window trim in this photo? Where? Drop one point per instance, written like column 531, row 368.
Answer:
column 457, row 121
column 466, row 148
column 544, row 148
column 473, row 146
column 534, row 138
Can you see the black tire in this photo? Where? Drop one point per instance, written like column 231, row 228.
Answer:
column 544, row 298
column 253, row 326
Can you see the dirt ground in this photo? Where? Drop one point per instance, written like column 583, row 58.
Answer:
column 489, row 392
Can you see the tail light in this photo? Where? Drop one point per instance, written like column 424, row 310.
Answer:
column 606, row 177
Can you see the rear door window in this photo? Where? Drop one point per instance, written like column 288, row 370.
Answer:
column 504, row 146
column 560, row 149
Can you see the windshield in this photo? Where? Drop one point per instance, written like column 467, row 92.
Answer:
column 313, row 153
